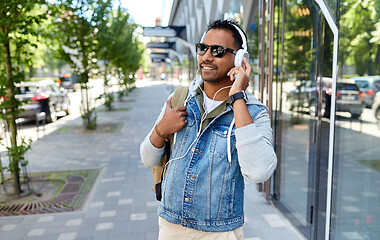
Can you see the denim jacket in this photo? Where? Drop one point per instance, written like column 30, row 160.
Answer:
column 202, row 189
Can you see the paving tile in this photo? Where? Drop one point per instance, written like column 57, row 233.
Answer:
column 36, row 232
column 138, row 216
column 274, row 220
column 8, row 227
column 104, row 226
column 102, row 235
column 67, row 236
column 141, row 227
column 73, row 222
column 125, row 201
column 153, row 204
column 107, row 214
column 113, row 194
column 151, row 235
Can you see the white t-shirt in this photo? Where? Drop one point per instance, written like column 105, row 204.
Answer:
column 210, row 104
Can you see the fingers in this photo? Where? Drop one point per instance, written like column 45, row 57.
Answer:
column 183, row 108
column 244, row 71
column 248, row 68
column 169, row 103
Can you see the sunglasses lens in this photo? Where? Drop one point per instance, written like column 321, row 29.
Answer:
column 218, row 51
column 201, row 48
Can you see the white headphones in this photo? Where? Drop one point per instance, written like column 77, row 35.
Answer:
column 241, row 53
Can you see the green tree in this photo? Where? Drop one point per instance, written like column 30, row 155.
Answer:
column 359, row 44
column 120, row 48
column 298, row 36
column 78, row 24
column 18, row 36
column 126, row 49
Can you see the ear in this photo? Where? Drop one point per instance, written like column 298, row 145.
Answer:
column 240, row 55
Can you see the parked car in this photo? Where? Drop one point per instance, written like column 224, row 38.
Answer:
column 348, row 98
column 376, row 106
column 44, row 96
column 299, row 98
column 305, row 97
column 67, row 81
column 369, row 86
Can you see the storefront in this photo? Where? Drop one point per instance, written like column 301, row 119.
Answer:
column 307, row 57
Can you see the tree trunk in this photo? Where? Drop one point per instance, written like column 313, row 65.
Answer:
column 11, row 116
column 377, row 61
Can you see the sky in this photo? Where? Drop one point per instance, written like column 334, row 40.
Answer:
column 145, row 12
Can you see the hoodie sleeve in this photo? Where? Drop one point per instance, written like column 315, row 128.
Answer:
column 255, row 150
column 150, row 155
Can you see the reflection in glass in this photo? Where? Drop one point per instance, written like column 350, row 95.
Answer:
column 356, row 203
column 298, row 89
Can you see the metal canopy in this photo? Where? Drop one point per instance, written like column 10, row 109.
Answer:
column 170, row 31
column 163, row 45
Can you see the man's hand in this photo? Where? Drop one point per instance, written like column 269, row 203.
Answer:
column 240, row 77
column 241, row 82
column 174, row 119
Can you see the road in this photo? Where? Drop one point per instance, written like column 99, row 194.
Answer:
column 28, row 129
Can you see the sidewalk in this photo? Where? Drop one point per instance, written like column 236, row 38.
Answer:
column 121, row 204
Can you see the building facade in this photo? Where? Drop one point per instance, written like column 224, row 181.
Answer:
column 316, row 65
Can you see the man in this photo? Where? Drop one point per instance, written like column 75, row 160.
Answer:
column 220, row 135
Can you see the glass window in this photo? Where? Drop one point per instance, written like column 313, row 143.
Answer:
column 294, row 54
column 356, row 181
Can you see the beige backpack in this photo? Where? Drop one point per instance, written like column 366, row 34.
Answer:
column 158, row 172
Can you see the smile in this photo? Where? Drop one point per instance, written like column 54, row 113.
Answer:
column 208, row 67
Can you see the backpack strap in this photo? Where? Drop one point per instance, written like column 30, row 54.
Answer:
column 179, row 97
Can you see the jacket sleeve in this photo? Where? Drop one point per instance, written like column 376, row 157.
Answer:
column 255, row 150
column 150, row 155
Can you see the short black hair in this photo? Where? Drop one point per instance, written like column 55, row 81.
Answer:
column 228, row 25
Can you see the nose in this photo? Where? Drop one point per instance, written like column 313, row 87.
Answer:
column 207, row 57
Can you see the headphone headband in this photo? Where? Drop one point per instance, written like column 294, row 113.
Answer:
column 244, row 45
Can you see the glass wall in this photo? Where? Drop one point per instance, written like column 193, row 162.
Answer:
column 295, row 103
column 356, row 182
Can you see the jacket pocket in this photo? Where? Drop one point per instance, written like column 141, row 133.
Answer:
column 220, row 134
column 231, row 198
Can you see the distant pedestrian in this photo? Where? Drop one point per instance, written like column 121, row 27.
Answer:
column 221, row 134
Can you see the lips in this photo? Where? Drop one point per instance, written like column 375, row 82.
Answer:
column 208, row 67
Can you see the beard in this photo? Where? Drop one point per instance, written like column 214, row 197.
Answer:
column 211, row 75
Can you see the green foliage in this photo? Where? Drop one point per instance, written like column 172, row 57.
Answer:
column 123, row 51
column 19, row 34
column 89, row 119
column 77, row 26
column 16, row 153
column 298, row 37
column 360, row 35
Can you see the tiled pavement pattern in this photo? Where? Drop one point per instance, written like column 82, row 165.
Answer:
column 121, row 204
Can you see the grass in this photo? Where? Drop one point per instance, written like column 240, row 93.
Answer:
column 100, row 128
column 374, row 164
column 49, row 191
column 114, row 110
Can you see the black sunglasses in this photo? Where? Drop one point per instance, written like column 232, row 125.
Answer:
column 216, row 50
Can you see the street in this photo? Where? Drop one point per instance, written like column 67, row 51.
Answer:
column 28, row 128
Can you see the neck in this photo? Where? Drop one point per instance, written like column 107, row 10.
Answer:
column 211, row 89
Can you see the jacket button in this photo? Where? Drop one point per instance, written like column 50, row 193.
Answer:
column 187, row 200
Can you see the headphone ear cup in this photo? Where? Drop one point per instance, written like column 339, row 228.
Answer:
column 240, row 55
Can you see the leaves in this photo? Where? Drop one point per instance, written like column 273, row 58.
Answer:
column 360, row 43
